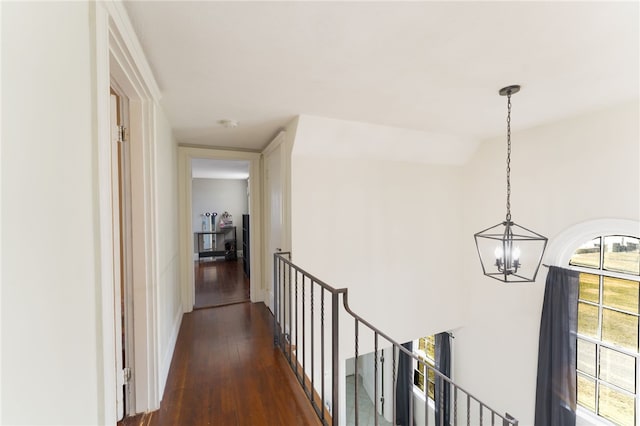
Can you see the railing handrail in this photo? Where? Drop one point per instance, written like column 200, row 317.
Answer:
column 315, row 279
column 280, row 256
column 345, row 303
column 413, row 355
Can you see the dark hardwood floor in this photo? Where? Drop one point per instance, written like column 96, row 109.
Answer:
column 220, row 282
column 226, row 371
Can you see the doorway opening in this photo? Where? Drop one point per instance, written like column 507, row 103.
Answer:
column 191, row 221
column 220, row 201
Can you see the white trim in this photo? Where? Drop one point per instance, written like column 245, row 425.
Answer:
column 563, row 245
column 121, row 25
column 185, row 155
column 585, row 417
column 1, row 210
column 168, row 355
column 280, row 141
column 119, row 56
column 275, row 143
column 603, row 272
column 109, row 383
column 144, row 256
column 417, row 393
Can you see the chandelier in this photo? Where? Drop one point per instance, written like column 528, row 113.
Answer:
column 509, row 252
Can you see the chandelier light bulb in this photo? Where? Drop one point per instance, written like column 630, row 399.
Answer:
column 516, row 253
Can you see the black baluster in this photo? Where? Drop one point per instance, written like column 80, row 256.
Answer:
column 355, row 382
column 322, row 351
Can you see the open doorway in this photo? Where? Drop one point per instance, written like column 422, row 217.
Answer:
column 220, row 200
column 247, row 246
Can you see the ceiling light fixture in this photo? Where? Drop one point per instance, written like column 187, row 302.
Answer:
column 509, row 252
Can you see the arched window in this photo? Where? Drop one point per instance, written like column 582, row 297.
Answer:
column 608, row 352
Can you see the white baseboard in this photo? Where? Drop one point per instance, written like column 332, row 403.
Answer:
column 268, row 299
column 168, row 354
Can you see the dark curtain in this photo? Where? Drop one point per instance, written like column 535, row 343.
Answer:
column 443, row 389
column 404, row 386
column 556, row 384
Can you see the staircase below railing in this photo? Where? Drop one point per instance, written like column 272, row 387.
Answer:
column 309, row 339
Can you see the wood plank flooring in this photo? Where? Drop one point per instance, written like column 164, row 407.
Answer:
column 220, row 282
column 226, row 371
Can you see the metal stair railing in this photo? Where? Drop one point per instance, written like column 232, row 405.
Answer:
column 309, row 339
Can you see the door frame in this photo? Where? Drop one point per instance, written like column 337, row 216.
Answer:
column 121, row 175
column 283, row 146
column 187, row 279
column 119, row 58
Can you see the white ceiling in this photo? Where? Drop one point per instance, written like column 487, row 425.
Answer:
column 425, row 66
column 219, row 169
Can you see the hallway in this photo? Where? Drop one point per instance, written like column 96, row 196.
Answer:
column 225, row 371
column 220, row 282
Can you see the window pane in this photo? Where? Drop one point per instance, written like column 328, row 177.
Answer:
column 621, row 294
column 622, row 254
column 619, row 329
column 432, row 390
column 618, row 369
column 588, row 320
column 431, row 347
column 587, row 255
column 586, row 357
column 418, row 379
column 589, row 288
column 418, row 374
column 616, row 406
column 428, row 346
column 432, row 386
column 587, row 393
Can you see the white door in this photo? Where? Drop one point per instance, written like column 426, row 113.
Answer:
column 117, row 264
column 122, row 272
column 275, row 211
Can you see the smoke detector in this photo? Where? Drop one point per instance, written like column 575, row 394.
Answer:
column 228, row 123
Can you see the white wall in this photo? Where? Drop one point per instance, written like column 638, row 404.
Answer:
column 380, row 227
column 386, row 230
column 383, row 228
column 169, row 291
column 220, row 195
column 565, row 173
column 52, row 331
column 50, row 326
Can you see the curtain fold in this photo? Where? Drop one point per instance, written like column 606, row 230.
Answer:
column 442, row 388
column 404, row 386
column 556, row 381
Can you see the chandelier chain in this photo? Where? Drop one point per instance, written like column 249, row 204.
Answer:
column 509, row 156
